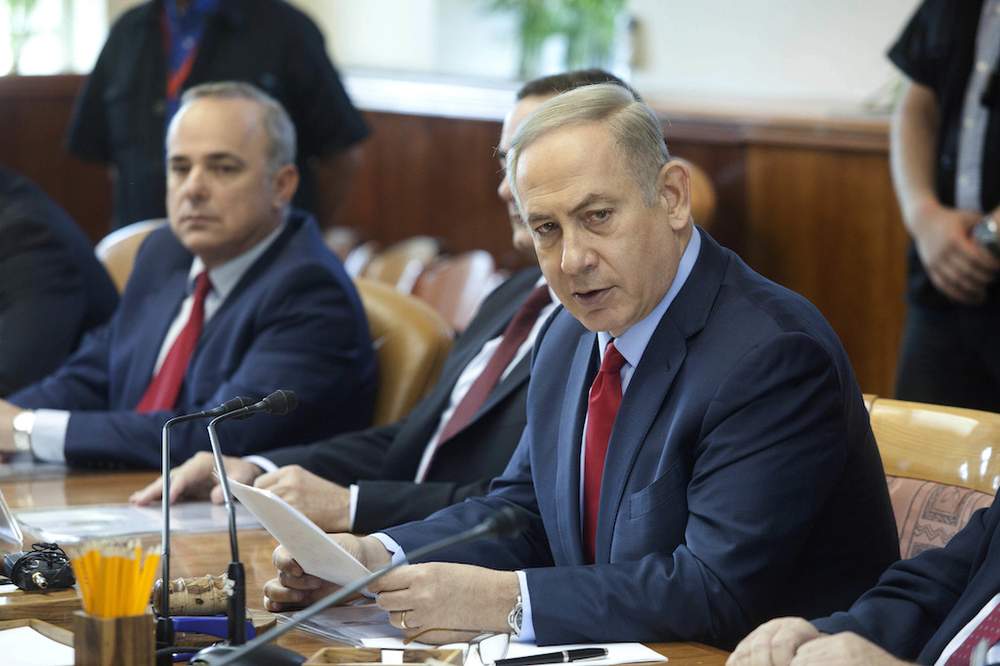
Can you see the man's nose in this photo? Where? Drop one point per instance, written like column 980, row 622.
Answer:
column 577, row 254
column 196, row 185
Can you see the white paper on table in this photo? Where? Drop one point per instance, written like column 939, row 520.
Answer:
column 315, row 552
column 67, row 524
column 353, row 624
column 618, row 653
column 23, row 646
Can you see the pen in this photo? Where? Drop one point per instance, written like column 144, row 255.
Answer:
column 560, row 657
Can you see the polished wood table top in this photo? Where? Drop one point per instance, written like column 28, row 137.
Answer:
column 198, row 554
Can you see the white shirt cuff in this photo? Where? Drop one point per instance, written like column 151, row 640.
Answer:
column 48, row 435
column 390, row 545
column 262, row 462
column 527, row 634
column 353, row 508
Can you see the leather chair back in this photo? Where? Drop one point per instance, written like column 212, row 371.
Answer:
column 402, row 263
column 117, row 250
column 455, row 286
column 411, row 342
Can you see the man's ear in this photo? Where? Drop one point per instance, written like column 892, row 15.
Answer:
column 673, row 184
column 286, row 181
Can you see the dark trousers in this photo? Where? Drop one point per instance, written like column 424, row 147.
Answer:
column 951, row 357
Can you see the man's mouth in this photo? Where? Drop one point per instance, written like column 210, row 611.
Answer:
column 196, row 218
column 592, row 297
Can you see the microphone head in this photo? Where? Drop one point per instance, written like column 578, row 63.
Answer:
column 280, row 402
column 507, row 523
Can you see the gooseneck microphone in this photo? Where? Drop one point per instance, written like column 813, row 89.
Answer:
column 164, row 630
column 277, row 403
column 506, row 523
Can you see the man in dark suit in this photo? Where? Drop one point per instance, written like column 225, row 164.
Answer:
column 697, row 455
column 52, row 288
column 934, row 608
column 407, row 470
column 239, row 296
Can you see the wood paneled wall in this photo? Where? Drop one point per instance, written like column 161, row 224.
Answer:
column 806, row 200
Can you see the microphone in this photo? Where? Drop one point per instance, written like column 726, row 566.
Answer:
column 277, row 403
column 506, row 523
column 164, row 629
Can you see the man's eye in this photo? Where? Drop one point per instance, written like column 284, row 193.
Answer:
column 227, row 169
column 179, row 169
column 602, row 215
column 545, row 228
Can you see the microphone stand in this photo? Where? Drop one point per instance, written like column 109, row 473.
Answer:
column 505, row 523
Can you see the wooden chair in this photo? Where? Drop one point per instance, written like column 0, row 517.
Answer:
column 455, row 286
column 117, row 250
column 940, row 467
column 703, row 197
column 402, row 263
column 357, row 260
column 341, row 240
column 411, row 342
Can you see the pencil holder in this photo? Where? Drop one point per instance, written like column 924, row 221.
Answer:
column 114, row 641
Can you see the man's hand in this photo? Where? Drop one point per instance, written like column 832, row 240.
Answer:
column 294, row 588
column 845, row 649
column 324, row 502
column 7, row 414
column 958, row 266
column 195, row 479
column 773, row 643
column 454, row 597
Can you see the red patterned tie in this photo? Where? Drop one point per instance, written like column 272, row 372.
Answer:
column 512, row 338
column 602, row 408
column 988, row 630
column 162, row 392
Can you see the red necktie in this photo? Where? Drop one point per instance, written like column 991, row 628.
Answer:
column 602, row 408
column 512, row 338
column 988, row 630
column 162, row 392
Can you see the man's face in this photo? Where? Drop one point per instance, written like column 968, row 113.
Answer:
column 520, row 236
column 607, row 252
column 222, row 198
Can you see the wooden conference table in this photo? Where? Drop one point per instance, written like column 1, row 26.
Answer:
column 198, row 554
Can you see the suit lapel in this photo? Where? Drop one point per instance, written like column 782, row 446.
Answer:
column 167, row 298
column 571, row 417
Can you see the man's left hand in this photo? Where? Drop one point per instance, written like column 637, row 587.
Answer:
column 457, row 598
column 7, row 414
column 846, row 649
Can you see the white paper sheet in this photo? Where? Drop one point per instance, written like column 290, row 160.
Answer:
column 23, row 646
column 618, row 653
column 309, row 545
column 351, row 624
column 66, row 524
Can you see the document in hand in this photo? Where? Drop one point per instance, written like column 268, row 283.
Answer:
column 315, row 552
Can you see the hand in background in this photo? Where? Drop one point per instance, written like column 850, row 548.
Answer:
column 773, row 643
column 958, row 266
column 324, row 502
column 844, row 649
column 195, row 479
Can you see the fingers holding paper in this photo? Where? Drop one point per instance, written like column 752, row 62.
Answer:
column 293, row 588
column 450, row 597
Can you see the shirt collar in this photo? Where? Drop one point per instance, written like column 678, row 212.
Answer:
column 632, row 343
column 224, row 278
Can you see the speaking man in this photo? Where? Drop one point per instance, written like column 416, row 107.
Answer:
column 453, row 442
column 697, row 455
column 239, row 296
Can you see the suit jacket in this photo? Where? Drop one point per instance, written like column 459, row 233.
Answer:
column 383, row 461
column 920, row 604
column 52, row 288
column 742, row 480
column 294, row 321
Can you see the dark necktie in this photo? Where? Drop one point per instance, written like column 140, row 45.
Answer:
column 512, row 338
column 602, row 408
column 162, row 392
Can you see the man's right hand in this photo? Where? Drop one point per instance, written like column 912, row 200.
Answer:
column 773, row 643
column 294, row 588
column 195, row 479
column 957, row 265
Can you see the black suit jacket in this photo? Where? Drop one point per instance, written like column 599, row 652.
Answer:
column 920, row 604
column 383, row 460
column 52, row 288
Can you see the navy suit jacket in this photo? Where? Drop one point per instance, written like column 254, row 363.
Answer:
column 742, row 480
column 294, row 321
column 52, row 288
column 920, row 604
column 383, row 461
